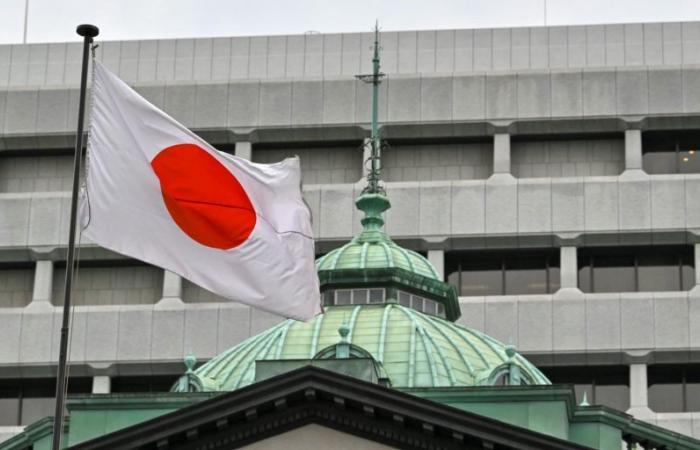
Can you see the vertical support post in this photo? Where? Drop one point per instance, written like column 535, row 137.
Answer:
column 568, row 263
column 88, row 32
column 501, row 153
column 639, row 398
column 437, row 259
column 43, row 283
column 172, row 289
column 244, row 149
column 101, row 384
column 696, row 248
column 633, row 150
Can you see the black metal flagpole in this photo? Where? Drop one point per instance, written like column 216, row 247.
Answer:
column 87, row 32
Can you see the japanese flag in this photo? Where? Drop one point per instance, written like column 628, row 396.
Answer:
column 157, row 192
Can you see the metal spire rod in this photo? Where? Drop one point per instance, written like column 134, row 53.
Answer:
column 88, row 32
column 375, row 78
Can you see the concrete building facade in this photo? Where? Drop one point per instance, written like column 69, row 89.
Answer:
column 549, row 173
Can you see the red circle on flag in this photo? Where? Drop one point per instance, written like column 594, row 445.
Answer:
column 203, row 197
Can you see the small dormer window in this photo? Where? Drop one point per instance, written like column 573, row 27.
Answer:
column 354, row 297
column 421, row 304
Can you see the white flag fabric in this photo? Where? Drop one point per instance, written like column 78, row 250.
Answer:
column 157, row 192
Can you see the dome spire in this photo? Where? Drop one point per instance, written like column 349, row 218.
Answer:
column 373, row 201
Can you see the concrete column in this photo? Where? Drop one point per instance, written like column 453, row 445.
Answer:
column 568, row 273
column 244, row 149
column 697, row 264
column 633, row 150
column 172, row 288
column 43, row 284
column 568, row 270
column 501, row 153
column 437, row 259
column 639, row 400
column 101, row 384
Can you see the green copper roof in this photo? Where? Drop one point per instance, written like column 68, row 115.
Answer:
column 415, row 349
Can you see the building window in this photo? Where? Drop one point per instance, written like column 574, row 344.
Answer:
column 636, row 269
column 421, row 304
column 674, row 387
column 354, row 296
column 143, row 384
column 664, row 152
column 24, row 401
column 503, row 273
column 603, row 385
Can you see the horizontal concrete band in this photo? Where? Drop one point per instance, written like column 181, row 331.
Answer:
column 498, row 208
column 314, row 55
column 590, row 93
column 603, row 326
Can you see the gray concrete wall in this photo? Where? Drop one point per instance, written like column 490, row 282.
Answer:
column 16, row 287
column 101, row 286
column 320, row 165
column 567, row 158
column 36, row 173
column 191, row 293
column 476, row 208
column 585, row 329
column 426, row 162
column 430, row 51
column 46, row 117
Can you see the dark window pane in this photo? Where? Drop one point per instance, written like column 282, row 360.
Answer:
column 688, row 270
column 666, row 397
column 155, row 383
column 9, row 409
column 453, row 279
column 613, row 274
column 665, row 388
column 483, row 277
column 692, row 396
column 526, row 276
column 554, row 278
column 688, row 161
column 615, row 396
column 36, row 408
column 659, row 162
column 659, row 272
column 584, row 277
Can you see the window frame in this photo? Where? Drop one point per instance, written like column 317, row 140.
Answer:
column 679, row 253
column 549, row 256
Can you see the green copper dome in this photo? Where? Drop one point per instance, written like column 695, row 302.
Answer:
column 415, row 349
column 373, row 248
column 358, row 254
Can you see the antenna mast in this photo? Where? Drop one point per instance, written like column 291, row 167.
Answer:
column 375, row 78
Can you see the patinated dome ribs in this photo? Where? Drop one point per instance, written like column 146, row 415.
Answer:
column 260, row 354
column 353, row 322
column 249, row 361
column 231, row 363
column 466, row 340
column 426, row 337
column 382, row 332
column 282, row 340
column 465, row 361
column 213, row 368
column 314, row 338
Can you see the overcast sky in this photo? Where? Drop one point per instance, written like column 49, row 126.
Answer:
column 55, row 20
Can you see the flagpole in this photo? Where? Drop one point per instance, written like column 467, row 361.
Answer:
column 87, row 32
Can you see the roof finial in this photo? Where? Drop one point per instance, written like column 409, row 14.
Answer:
column 373, row 201
column 375, row 78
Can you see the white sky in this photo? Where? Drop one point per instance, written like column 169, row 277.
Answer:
column 55, row 20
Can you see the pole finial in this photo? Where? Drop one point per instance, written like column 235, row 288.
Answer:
column 87, row 30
